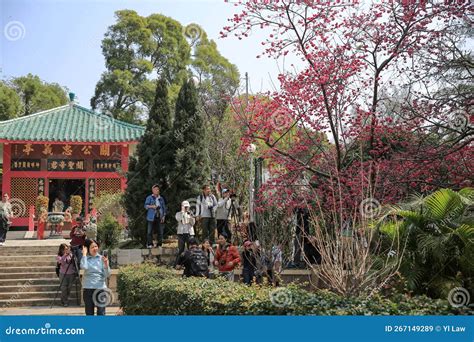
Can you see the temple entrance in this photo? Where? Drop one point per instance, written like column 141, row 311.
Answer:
column 64, row 189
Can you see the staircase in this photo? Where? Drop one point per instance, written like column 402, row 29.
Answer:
column 28, row 277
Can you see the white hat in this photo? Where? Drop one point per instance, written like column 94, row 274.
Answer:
column 185, row 204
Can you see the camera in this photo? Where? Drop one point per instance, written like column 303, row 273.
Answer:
column 222, row 262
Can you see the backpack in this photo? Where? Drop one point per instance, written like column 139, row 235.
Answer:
column 198, row 263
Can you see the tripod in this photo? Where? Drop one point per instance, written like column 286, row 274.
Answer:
column 234, row 219
column 76, row 279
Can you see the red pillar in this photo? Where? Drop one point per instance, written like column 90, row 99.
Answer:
column 124, row 165
column 6, row 179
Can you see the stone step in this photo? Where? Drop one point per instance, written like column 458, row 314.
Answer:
column 27, row 269
column 12, row 251
column 31, row 281
column 34, row 295
column 25, row 263
column 33, row 288
column 28, row 258
column 12, row 303
column 28, row 275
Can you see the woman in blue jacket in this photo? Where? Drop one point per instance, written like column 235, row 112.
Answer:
column 96, row 271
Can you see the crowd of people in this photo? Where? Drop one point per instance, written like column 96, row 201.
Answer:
column 211, row 258
column 83, row 254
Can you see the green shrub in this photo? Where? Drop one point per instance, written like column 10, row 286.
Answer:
column 109, row 232
column 437, row 232
column 149, row 290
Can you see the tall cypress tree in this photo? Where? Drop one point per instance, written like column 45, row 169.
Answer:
column 191, row 166
column 152, row 163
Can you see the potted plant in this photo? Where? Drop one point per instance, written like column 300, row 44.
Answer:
column 42, row 202
column 76, row 205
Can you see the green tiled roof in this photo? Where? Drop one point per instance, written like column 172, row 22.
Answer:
column 71, row 123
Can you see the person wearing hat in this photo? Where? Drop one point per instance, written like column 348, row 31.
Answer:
column 222, row 214
column 194, row 261
column 78, row 238
column 155, row 206
column 186, row 223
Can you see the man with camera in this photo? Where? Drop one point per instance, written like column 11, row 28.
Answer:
column 186, row 222
column 205, row 208
column 223, row 212
column 227, row 257
column 155, row 216
column 78, row 238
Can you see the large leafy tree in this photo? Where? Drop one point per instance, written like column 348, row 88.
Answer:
column 10, row 103
column 37, row 95
column 136, row 50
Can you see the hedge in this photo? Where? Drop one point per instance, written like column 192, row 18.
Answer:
column 150, row 290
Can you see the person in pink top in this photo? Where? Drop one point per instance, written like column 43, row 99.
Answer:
column 67, row 271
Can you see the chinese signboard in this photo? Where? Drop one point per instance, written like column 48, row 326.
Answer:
column 26, row 165
column 66, row 165
column 106, row 165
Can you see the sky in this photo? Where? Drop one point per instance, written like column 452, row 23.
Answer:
column 60, row 40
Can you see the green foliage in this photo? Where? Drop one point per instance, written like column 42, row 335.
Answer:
column 37, row 95
column 439, row 233
column 10, row 103
column 109, row 203
column 155, row 158
column 134, row 48
column 191, row 168
column 109, row 232
column 149, row 290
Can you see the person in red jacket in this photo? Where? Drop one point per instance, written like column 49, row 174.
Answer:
column 78, row 239
column 227, row 257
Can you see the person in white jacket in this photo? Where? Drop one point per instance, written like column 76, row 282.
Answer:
column 186, row 223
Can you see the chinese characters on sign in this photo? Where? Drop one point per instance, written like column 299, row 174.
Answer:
column 66, row 165
column 26, row 165
column 91, row 193
column 106, row 165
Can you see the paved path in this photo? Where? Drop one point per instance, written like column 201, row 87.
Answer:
column 20, row 239
column 54, row 311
